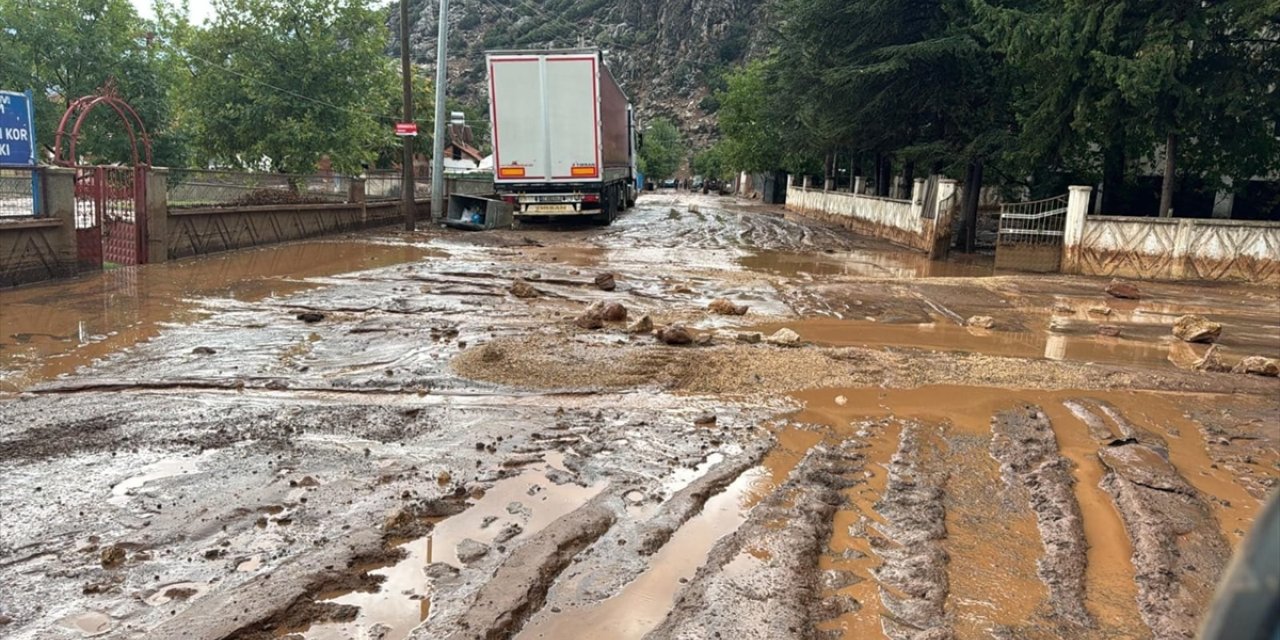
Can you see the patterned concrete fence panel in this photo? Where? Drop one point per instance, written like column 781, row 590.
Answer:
column 905, row 222
column 1172, row 248
column 35, row 248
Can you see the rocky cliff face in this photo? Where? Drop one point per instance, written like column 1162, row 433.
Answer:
column 668, row 55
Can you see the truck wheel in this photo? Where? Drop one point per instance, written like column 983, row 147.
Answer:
column 608, row 207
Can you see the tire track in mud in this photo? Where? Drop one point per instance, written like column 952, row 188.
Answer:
column 1179, row 550
column 1025, row 445
column 761, row 581
column 913, row 577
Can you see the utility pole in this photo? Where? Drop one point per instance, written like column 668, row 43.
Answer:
column 437, row 160
column 407, row 200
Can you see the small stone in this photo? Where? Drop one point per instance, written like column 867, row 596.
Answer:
column 704, row 339
column 1195, row 328
column 440, row 571
column 674, row 335
column 1123, row 290
column 488, row 520
column 614, row 312
column 508, row 532
column 1100, row 310
column 643, row 325
column 1058, row 326
column 1258, row 366
column 981, row 322
column 750, row 337
column 308, row 482
column 841, row 401
column 1211, row 362
column 705, row 420
column 1062, row 308
column 277, row 385
column 606, row 282
column 113, row 556
column 470, row 551
column 203, row 351
column 311, row 317
column 591, row 320
column 721, row 306
column 1109, row 330
column 784, row 338
column 522, row 289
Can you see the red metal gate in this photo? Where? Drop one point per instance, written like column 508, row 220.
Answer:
column 111, row 216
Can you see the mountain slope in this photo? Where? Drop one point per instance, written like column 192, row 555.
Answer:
column 667, row 55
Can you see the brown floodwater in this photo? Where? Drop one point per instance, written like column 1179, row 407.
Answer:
column 863, row 264
column 54, row 328
column 954, row 338
column 993, row 577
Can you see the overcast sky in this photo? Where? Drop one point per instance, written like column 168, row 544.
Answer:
column 200, row 9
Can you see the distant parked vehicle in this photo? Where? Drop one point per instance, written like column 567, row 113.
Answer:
column 670, row 183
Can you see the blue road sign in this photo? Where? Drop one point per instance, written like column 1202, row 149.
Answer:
column 17, row 130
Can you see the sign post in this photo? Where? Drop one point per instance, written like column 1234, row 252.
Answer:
column 18, row 138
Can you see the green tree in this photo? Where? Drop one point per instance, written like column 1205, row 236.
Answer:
column 711, row 163
column 67, row 49
column 283, row 82
column 663, row 150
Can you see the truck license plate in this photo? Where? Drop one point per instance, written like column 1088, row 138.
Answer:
column 551, row 208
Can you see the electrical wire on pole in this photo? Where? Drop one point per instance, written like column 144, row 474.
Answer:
column 407, row 187
column 442, row 67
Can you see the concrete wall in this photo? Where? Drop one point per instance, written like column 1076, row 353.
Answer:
column 1168, row 248
column 34, row 249
column 201, row 231
column 899, row 221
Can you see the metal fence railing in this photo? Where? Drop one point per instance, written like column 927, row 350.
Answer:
column 1038, row 222
column 192, row 188
column 18, row 195
column 386, row 185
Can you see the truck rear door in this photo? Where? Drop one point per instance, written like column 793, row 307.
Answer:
column 545, row 111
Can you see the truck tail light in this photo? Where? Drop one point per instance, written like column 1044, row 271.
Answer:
column 591, row 198
column 512, row 172
column 511, row 199
column 583, row 172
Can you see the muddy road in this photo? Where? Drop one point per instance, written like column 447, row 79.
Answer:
column 451, row 435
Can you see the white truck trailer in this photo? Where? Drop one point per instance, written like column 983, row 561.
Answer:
column 564, row 140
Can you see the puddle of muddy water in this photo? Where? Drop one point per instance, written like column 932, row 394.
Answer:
column 89, row 624
column 53, row 328
column 404, row 600
column 989, row 586
column 861, row 264
column 953, row 338
column 644, row 602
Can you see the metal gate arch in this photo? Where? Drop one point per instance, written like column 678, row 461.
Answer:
column 111, row 200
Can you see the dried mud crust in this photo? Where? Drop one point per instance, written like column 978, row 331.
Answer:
column 547, row 362
column 1242, row 438
column 1025, row 445
column 762, row 581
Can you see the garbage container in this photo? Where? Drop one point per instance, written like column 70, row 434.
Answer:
column 475, row 213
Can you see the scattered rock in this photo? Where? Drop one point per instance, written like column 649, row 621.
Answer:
column 113, row 556
column 591, row 320
column 606, row 282
column 1100, row 310
column 784, row 338
column 440, row 571
column 704, row 339
column 614, row 312
column 750, row 337
column 470, row 551
column 1123, row 290
column 643, row 325
column 488, row 520
column 705, row 420
column 674, row 335
column 1062, row 308
column 1258, row 366
column 308, row 482
column 1109, row 330
column 203, row 351
column 379, row 631
column 841, row 401
column 311, row 317
column 981, row 322
column 1212, row 362
column 277, row 385
column 4, row 619
column 1197, row 329
column 522, row 289
column 508, row 532
column 1059, row 326
column 721, row 306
